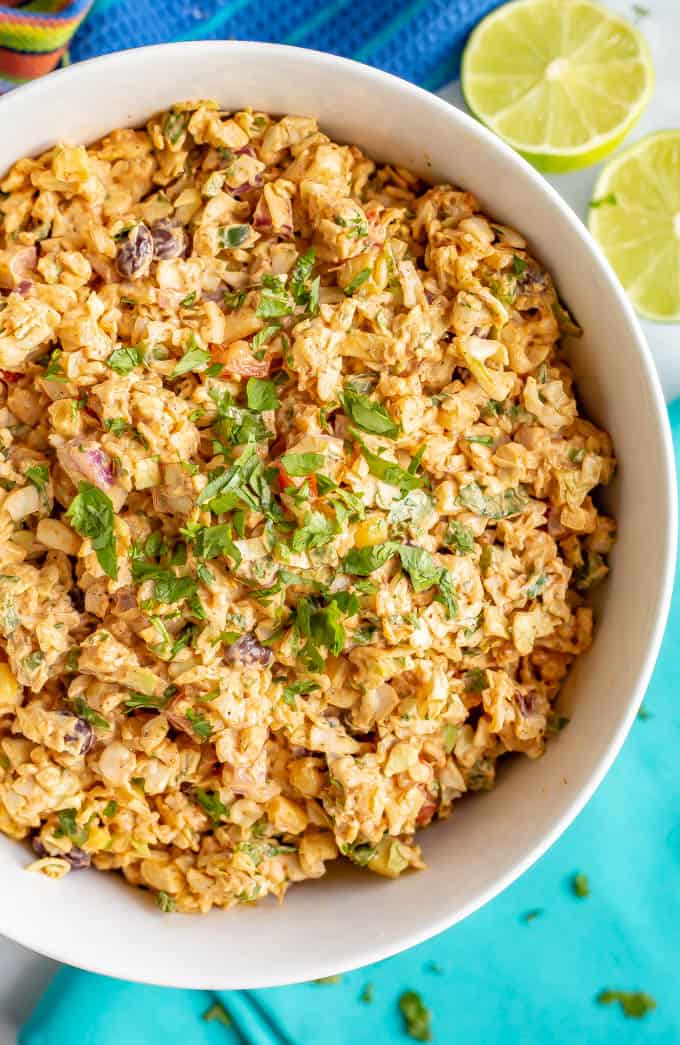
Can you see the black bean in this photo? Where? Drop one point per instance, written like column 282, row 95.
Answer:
column 533, row 281
column 135, row 253
column 169, row 241
column 38, row 847
column 77, row 858
column 83, row 734
column 247, row 650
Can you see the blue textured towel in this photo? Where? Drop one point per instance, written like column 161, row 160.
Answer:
column 497, row 977
column 420, row 40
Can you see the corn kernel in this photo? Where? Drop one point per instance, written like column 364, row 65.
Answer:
column 65, row 417
column 315, row 848
column 10, row 690
column 372, row 530
column 402, row 756
column 287, row 816
column 306, row 776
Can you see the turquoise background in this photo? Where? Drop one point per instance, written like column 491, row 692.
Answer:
column 502, row 979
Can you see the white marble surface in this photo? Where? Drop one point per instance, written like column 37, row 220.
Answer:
column 23, row 975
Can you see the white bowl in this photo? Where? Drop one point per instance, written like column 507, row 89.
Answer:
column 351, row 918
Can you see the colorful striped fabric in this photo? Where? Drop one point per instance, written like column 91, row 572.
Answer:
column 420, row 40
column 34, row 36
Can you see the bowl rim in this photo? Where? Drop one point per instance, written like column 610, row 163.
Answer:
column 368, row 951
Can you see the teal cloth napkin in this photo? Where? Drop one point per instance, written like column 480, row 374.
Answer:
column 498, row 976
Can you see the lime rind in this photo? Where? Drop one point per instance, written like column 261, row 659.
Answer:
column 597, row 104
column 636, row 222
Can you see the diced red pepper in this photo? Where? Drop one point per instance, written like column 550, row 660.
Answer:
column 238, row 359
column 427, row 811
column 9, row 376
column 284, row 479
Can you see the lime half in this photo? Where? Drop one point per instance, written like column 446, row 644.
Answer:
column 562, row 81
column 635, row 217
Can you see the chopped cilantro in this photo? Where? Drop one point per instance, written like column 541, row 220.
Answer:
column 317, row 529
column 420, row 566
column 604, row 201
column 110, row 809
column 536, row 587
column 166, row 902
column 174, row 126
column 357, row 282
column 321, row 626
column 411, row 509
column 390, row 472
column 261, row 395
column 416, row 1015
column 475, row 681
column 298, row 465
column 459, row 537
column 416, row 459
column 211, row 804
column 555, row 723
column 450, row 736
column 274, row 299
column 144, row 700
column 194, row 360
column 492, row 407
column 635, row 1004
column 199, row 723
column 229, row 479
column 124, row 360
column 32, row 661
column 531, row 916
column 217, row 1011
column 68, row 826
column 265, row 335
column 499, row 506
column 485, row 557
column 211, row 541
column 367, row 414
column 519, row 265
column 83, row 710
column 357, row 225
column 54, row 370
column 39, row 475
column 232, row 235
column 237, row 424
column 303, row 686
column 418, row 563
column 305, row 293
column 91, row 515
column 367, row 993
column 116, row 425
column 168, row 587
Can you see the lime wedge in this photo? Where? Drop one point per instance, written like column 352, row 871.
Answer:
column 562, row 81
column 635, row 217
